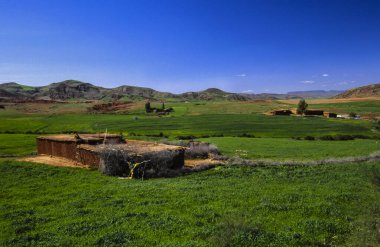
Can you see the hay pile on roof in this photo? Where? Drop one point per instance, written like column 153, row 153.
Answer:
column 139, row 159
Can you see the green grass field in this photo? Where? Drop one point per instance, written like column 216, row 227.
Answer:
column 198, row 125
column 17, row 144
column 289, row 149
column 227, row 206
column 330, row 205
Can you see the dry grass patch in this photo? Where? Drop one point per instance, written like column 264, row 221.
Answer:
column 53, row 161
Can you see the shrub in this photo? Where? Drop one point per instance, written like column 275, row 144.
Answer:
column 147, row 107
column 337, row 138
column 377, row 127
column 309, row 138
column 361, row 137
column 217, row 135
column 376, row 177
column 189, row 137
column 343, row 137
column 205, row 136
column 326, row 138
column 180, row 143
column 247, row 135
column 200, row 150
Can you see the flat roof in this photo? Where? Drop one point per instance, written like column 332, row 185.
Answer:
column 71, row 138
column 134, row 146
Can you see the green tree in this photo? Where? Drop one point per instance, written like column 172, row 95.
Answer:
column 302, row 106
column 147, row 107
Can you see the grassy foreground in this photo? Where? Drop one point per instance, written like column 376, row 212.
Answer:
column 235, row 206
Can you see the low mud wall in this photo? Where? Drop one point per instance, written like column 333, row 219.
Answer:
column 88, row 157
column 65, row 149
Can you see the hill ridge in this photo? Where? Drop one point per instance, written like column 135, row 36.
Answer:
column 372, row 90
column 75, row 89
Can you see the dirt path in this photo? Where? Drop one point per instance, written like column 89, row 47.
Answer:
column 201, row 162
column 53, row 161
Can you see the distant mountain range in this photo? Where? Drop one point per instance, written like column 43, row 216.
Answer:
column 77, row 90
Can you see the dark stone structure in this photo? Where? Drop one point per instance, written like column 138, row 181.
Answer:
column 281, row 112
column 314, row 112
column 330, row 115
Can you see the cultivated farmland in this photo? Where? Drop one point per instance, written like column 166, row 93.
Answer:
column 230, row 205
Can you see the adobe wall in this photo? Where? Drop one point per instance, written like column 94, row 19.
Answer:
column 88, row 157
column 65, row 149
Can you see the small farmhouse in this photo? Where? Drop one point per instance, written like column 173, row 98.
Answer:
column 314, row 112
column 281, row 112
column 330, row 114
column 66, row 146
column 114, row 156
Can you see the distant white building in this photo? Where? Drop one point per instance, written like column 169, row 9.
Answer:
column 344, row 116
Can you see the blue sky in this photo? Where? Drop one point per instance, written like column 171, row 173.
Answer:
column 177, row 46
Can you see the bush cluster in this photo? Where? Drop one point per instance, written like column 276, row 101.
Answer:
column 196, row 149
column 200, row 150
column 247, row 135
column 337, row 137
column 309, row 138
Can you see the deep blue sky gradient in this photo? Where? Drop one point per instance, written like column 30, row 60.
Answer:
column 254, row 46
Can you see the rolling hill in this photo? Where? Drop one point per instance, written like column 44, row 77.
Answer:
column 72, row 89
column 77, row 90
column 361, row 92
column 315, row 94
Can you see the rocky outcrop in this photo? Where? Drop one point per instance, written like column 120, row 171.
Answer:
column 75, row 90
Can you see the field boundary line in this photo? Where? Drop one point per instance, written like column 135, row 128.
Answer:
column 375, row 156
